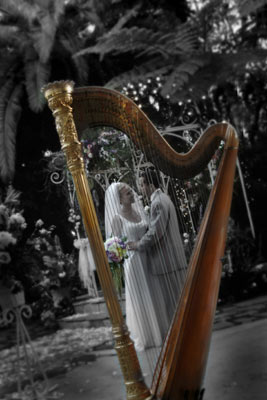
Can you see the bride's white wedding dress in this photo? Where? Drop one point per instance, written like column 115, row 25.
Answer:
column 141, row 315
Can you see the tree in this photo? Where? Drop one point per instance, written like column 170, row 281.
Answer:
column 38, row 46
column 218, row 40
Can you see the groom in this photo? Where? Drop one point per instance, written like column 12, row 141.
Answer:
column 166, row 266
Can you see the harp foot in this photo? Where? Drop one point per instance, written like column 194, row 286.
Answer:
column 194, row 395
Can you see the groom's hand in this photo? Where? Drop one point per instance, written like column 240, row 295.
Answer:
column 132, row 245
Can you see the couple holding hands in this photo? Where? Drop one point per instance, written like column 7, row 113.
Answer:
column 156, row 266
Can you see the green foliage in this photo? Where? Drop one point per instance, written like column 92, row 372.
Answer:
column 31, row 36
column 12, row 243
column 250, row 6
column 213, row 45
column 10, row 108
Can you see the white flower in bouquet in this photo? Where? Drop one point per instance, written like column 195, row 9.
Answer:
column 6, row 239
column 116, row 249
column 116, row 252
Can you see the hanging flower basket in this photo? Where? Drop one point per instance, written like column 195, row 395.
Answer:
column 10, row 300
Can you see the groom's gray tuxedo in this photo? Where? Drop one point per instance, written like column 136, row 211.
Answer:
column 163, row 241
column 166, row 260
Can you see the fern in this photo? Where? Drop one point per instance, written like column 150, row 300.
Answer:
column 217, row 69
column 153, row 68
column 247, row 7
column 123, row 20
column 144, row 42
column 12, row 197
column 43, row 39
column 123, row 41
column 9, row 115
column 181, row 75
column 21, row 9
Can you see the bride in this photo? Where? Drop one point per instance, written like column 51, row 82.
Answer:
column 125, row 217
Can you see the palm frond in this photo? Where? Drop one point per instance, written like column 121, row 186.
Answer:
column 19, row 9
column 123, row 41
column 44, row 35
column 37, row 75
column 145, row 42
column 247, row 7
column 58, row 9
column 182, row 40
column 123, row 20
column 12, row 197
column 9, row 115
column 181, row 75
column 155, row 67
column 43, row 39
column 217, row 69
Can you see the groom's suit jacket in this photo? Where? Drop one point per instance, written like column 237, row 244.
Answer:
column 162, row 242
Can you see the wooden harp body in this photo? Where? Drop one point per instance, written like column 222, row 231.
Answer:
column 181, row 366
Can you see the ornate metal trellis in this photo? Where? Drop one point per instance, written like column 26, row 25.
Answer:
column 191, row 123
column 28, row 365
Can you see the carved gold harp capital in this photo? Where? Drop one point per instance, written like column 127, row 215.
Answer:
column 180, row 370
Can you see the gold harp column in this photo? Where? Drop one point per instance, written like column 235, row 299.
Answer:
column 59, row 97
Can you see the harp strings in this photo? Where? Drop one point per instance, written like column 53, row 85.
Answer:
column 165, row 276
column 183, row 195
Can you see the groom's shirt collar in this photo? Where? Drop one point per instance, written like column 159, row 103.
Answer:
column 154, row 194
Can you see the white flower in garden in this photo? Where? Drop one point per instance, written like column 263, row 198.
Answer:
column 48, row 261
column 43, row 231
column 47, row 153
column 4, row 257
column 17, row 219
column 6, row 239
column 39, row 222
column 62, row 274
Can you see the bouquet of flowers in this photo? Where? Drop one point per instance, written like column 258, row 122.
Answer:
column 116, row 252
column 58, row 268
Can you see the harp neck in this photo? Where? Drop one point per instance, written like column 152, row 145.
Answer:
column 97, row 106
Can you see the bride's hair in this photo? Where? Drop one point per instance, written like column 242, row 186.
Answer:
column 113, row 206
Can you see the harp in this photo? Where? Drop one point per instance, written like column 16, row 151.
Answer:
column 180, row 369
